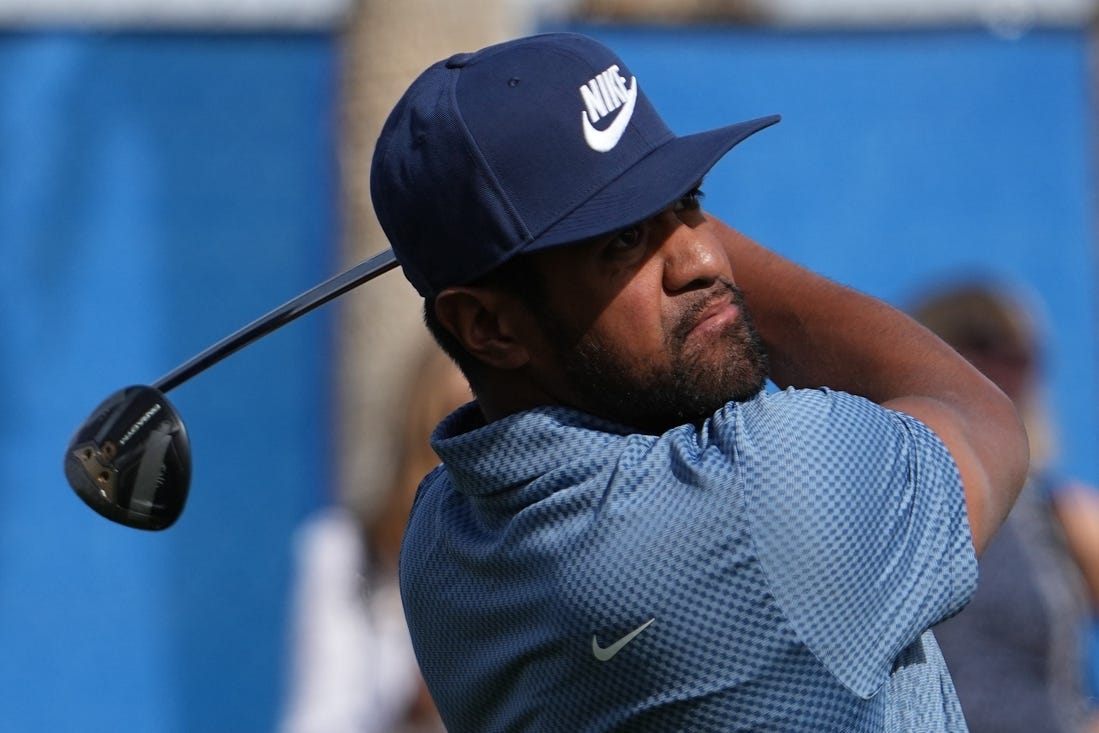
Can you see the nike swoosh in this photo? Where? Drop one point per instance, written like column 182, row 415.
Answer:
column 602, row 141
column 604, row 654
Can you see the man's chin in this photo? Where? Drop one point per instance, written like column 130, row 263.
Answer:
column 671, row 411
column 738, row 375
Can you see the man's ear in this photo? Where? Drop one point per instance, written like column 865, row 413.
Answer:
column 487, row 322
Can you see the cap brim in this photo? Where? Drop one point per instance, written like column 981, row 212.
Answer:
column 650, row 186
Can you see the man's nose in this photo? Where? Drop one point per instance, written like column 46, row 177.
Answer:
column 692, row 258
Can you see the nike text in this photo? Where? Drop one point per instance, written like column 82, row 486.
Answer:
column 604, row 94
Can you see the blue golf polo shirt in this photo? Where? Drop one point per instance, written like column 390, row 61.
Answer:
column 775, row 568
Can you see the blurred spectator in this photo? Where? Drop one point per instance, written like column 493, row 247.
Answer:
column 353, row 669
column 1017, row 651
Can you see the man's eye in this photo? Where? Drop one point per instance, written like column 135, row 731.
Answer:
column 690, row 201
column 626, row 239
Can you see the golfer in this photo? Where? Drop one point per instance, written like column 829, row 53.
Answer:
column 630, row 531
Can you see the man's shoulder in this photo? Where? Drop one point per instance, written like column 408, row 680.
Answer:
column 804, row 416
column 806, row 401
column 801, row 416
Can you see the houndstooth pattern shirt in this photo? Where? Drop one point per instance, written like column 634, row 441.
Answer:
column 773, row 569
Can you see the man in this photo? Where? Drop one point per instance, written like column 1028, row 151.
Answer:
column 629, row 533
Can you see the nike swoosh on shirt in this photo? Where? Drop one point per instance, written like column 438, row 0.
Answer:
column 604, row 654
column 603, row 140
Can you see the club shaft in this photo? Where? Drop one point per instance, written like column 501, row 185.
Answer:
column 313, row 298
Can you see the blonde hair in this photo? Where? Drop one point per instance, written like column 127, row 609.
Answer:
column 435, row 388
column 988, row 319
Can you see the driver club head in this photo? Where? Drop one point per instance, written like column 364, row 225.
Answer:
column 131, row 459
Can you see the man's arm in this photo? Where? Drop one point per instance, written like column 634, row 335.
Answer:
column 819, row 333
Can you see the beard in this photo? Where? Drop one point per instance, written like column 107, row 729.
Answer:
column 691, row 387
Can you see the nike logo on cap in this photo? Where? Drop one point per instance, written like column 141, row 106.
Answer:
column 605, row 654
column 602, row 96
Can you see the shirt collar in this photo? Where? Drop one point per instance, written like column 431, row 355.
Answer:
column 483, row 458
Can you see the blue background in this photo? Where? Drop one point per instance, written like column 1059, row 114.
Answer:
column 160, row 190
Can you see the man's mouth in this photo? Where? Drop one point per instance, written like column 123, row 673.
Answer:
column 716, row 317
column 716, row 314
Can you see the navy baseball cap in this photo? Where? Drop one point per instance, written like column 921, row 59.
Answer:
column 532, row 143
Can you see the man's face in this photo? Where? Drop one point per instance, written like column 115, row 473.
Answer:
column 646, row 326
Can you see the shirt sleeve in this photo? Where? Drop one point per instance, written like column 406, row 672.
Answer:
column 859, row 521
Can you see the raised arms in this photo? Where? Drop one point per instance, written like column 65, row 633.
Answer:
column 819, row 333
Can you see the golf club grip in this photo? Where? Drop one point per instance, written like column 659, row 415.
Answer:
column 313, row 298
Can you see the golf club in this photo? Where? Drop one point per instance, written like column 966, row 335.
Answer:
column 131, row 459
